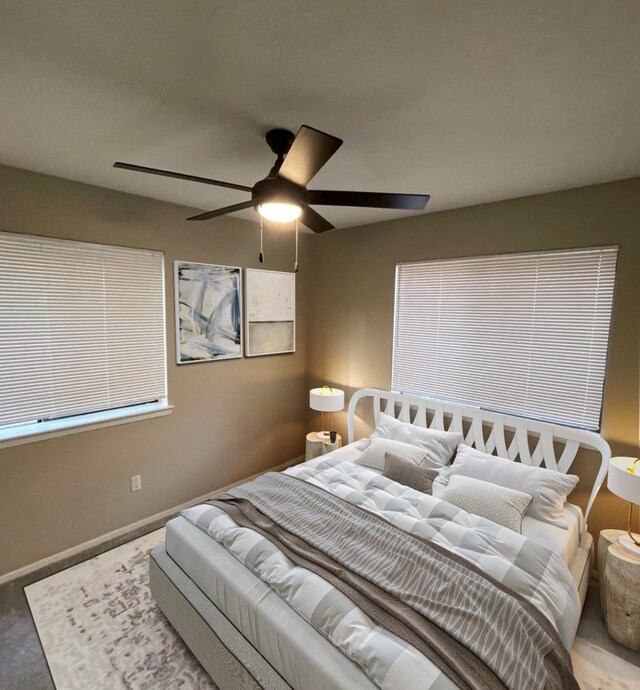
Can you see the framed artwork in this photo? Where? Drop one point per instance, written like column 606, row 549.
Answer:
column 270, row 312
column 208, row 312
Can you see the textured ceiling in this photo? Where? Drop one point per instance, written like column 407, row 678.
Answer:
column 468, row 101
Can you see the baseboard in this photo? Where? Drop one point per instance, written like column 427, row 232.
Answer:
column 93, row 543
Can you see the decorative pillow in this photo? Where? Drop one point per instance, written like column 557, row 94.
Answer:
column 440, row 445
column 549, row 489
column 373, row 455
column 404, row 472
column 496, row 503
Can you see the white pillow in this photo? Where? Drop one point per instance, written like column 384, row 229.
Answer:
column 440, row 445
column 374, row 455
column 548, row 489
column 496, row 503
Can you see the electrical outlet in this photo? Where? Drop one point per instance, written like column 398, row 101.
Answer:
column 136, row 482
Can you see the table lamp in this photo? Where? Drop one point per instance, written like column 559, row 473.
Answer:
column 624, row 481
column 326, row 399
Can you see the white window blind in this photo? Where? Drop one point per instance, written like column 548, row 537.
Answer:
column 82, row 328
column 522, row 334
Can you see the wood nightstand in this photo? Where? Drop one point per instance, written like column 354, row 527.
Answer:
column 317, row 446
column 619, row 589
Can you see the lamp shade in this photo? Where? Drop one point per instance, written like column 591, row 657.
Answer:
column 621, row 482
column 326, row 399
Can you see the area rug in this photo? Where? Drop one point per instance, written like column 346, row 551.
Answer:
column 100, row 628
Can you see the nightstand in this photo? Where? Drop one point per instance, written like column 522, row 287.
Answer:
column 317, row 446
column 619, row 589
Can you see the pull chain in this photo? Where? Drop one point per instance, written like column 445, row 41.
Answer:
column 261, row 255
column 295, row 266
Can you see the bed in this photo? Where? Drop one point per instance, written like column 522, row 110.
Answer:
column 247, row 634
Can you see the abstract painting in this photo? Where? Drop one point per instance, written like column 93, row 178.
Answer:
column 208, row 312
column 270, row 312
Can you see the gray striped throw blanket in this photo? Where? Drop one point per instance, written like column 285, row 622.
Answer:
column 465, row 627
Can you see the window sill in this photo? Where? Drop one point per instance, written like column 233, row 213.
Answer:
column 31, row 433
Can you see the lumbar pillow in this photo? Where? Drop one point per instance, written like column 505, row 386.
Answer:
column 440, row 445
column 405, row 472
column 373, row 455
column 496, row 503
column 549, row 489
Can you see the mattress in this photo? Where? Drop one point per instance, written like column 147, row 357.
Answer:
column 564, row 542
column 294, row 649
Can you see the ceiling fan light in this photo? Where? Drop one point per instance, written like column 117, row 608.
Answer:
column 279, row 212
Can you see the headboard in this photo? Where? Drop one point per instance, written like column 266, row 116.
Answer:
column 489, row 431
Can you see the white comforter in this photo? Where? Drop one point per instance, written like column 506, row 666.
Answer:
column 527, row 567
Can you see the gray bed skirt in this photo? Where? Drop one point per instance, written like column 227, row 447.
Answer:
column 231, row 661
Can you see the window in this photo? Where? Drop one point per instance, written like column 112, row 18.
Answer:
column 82, row 331
column 522, row 334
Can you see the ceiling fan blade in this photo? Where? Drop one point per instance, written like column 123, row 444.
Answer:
column 408, row 202
column 226, row 209
column 310, row 150
column 314, row 221
column 180, row 176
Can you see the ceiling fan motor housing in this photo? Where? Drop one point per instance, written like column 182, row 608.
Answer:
column 275, row 188
column 278, row 190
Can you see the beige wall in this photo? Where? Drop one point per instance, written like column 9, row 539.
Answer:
column 231, row 418
column 58, row 493
column 352, row 273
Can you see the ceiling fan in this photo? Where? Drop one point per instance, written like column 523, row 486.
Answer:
column 282, row 196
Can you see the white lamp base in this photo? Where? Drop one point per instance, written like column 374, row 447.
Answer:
column 323, row 435
column 625, row 542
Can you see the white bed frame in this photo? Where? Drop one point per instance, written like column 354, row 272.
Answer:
column 489, row 432
column 230, row 659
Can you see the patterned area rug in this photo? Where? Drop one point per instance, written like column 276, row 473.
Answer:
column 100, row 628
